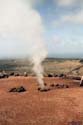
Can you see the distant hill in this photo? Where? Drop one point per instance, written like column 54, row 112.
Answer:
column 51, row 65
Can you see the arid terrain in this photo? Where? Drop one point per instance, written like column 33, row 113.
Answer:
column 51, row 65
column 58, row 106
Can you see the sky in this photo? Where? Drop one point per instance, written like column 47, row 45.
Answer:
column 62, row 23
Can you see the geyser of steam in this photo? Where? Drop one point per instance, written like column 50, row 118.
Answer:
column 20, row 22
column 37, row 68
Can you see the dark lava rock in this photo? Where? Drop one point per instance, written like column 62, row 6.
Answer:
column 55, row 75
column 45, row 84
column 50, row 75
column 62, row 86
column 13, row 90
column 52, row 85
column 67, row 86
column 81, row 83
column 43, row 89
column 3, row 75
column 62, row 75
column 74, row 77
column 77, row 78
column 17, row 74
column 12, row 74
column 57, row 85
column 19, row 89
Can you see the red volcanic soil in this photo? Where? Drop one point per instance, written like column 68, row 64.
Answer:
column 56, row 107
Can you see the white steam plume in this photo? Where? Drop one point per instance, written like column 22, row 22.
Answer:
column 20, row 22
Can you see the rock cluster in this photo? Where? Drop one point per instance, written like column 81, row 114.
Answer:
column 59, row 86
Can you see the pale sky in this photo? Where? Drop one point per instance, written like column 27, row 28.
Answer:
column 62, row 22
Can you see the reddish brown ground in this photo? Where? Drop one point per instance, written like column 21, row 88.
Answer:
column 55, row 107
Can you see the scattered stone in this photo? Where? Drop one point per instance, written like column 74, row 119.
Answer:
column 57, row 85
column 74, row 77
column 12, row 74
column 39, row 89
column 62, row 86
column 62, row 75
column 81, row 82
column 55, row 75
column 43, row 89
column 67, row 86
column 13, row 90
column 50, row 75
column 19, row 89
column 52, row 85
column 5, row 75
column 45, row 84
column 1, row 75
column 17, row 74
column 77, row 78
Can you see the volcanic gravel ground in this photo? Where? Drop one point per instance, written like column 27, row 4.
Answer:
column 59, row 106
